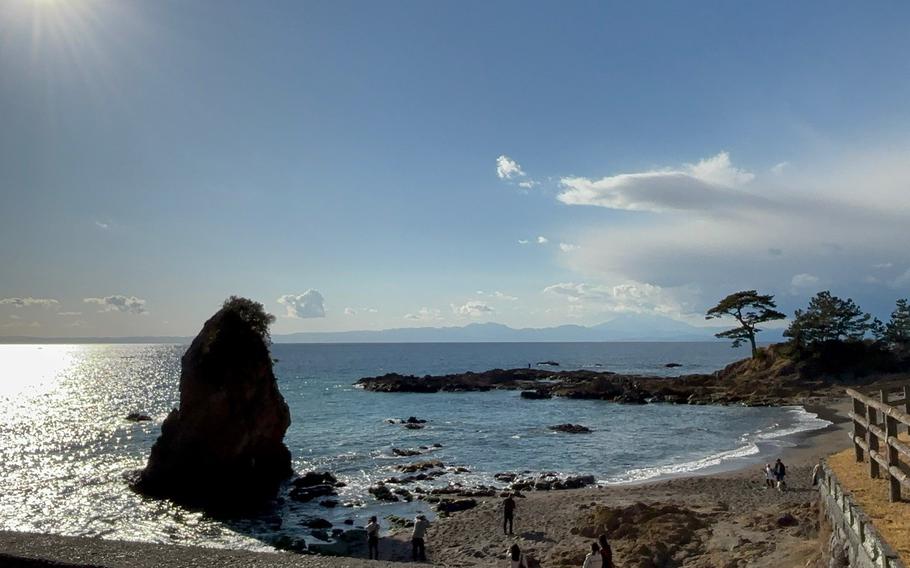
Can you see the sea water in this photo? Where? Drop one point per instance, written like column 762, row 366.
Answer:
column 65, row 443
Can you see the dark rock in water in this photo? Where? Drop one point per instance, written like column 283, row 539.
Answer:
column 315, row 478
column 452, row 506
column 574, row 482
column 420, row 466
column 305, row 494
column 404, row 494
column 673, row 365
column 548, row 363
column 382, row 493
column 337, row 533
column 320, row 534
column 413, row 426
column 329, row 503
column 138, row 417
column 415, row 420
column 571, row 428
column 223, row 448
column 405, row 453
column 348, row 521
column 318, row 524
column 437, row 445
column 508, row 477
column 536, row 394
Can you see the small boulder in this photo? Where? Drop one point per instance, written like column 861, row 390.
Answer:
column 536, row 394
column 304, row 494
column 315, row 478
column 382, row 493
column 571, row 428
column 452, row 506
column 138, row 417
column 317, row 523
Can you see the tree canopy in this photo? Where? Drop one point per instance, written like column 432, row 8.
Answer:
column 828, row 318
column 750, row 309
column 251, row 312
column 897, row 330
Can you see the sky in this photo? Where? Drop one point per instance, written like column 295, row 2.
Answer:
column 371, row 165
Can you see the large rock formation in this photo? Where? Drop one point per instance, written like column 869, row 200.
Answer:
column 223, row 448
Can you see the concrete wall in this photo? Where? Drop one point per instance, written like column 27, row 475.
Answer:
column 854, row 541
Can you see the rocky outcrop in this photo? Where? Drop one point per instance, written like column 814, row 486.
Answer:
column 571, row 428
column 223, row 448
column 773, row 378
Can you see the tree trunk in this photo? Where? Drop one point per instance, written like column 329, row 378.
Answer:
column 754, row 348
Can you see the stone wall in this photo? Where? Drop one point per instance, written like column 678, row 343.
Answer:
column 854, row 541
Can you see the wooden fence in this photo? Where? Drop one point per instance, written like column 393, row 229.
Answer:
column 875, row 432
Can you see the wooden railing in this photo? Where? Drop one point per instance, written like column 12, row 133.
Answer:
column 875, row 432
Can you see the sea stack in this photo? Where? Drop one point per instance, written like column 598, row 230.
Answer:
column 223, row 448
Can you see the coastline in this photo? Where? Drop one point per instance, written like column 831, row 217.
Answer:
column 729, row 499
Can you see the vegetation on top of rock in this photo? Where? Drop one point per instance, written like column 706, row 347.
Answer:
column 828, row 318
column 750, row 309
column 251, row 312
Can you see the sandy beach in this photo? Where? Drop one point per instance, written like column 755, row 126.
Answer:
column 714, row 519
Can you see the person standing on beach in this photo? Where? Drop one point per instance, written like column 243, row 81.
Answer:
column 606, row 552
column 770, row 476
column 508, row 513
column 594, row 558
column 780, row 471
column 418, row 546
column 373, row 538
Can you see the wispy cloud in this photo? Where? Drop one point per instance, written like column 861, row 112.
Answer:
column 424, row 314
column 310, row 304
column 26, row 302
column 704, row 186
column 567, row 247
column 778, row 169
column 542, row 240
column 119, row 303
column 633, row 297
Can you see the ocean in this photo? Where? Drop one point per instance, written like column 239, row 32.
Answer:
column 65, row 443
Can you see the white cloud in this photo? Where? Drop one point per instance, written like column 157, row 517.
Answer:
column 119, row 303
column 778, row 169
column 804, row 280
column 473, row 308
column 310, row 304
column 498, row 295
column 370, row 310
column 634, row 297
column 709, row 185
column 567, row 247
column 507, row 168
column 103, row 226
column 541, row 240
column 26, row 302
column 523, row 241
column 883, row 265
column 424, row 314
column 69, row 313
column 528, row 184
column 350, row 312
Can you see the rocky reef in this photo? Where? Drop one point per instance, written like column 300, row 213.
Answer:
column 223, row 448
column 773, row 378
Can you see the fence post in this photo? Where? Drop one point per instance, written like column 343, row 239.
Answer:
column 894, row 491
column 858, row 430
column 872, row 440
column 907, row 403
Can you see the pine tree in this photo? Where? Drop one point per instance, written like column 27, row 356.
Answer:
column 749, row 308
column 897, row 331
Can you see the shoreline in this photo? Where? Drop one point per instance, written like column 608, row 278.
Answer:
column 467, row 539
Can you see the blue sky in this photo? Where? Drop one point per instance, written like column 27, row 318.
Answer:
column 156, row 157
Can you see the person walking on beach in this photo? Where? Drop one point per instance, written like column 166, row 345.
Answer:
column 373, row 538
column 516, row 558
column 418, row 546
column 593, row 559
column 780, row 472
column 606, row 552
column 770, row 476
column 508, row 513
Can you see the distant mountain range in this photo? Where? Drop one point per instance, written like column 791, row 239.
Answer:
column 627, row 327
column 621, row 328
